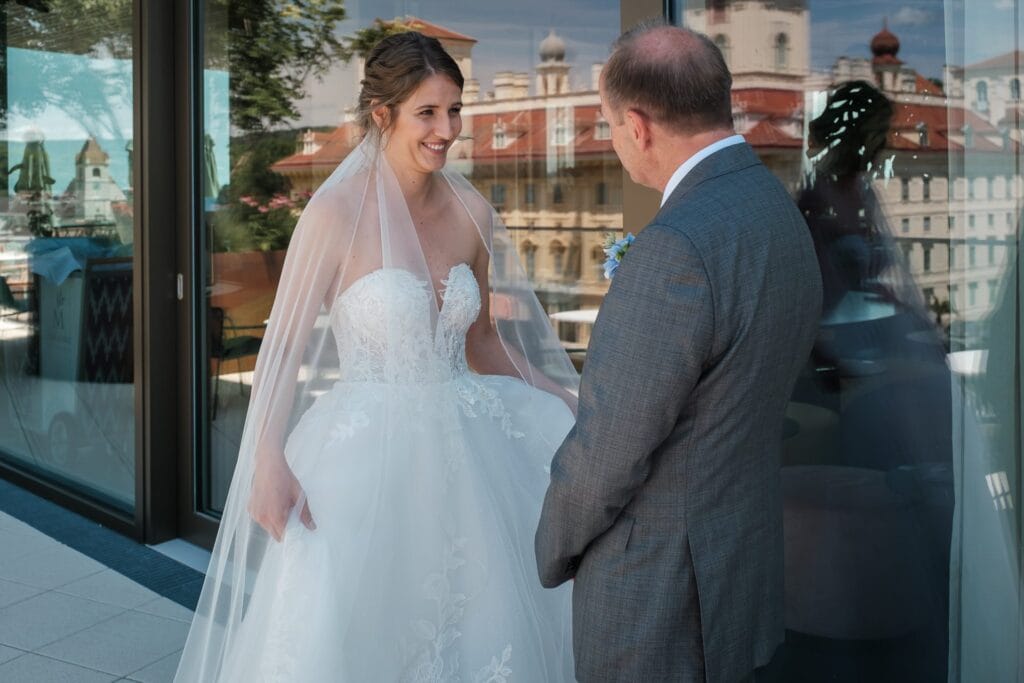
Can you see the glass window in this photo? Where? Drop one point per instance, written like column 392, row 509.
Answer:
column 498, row 195
column 722, row 41
column 929, row 383
column 67, row 246
column 278, row 97
column 781, row 51
column 601, row 193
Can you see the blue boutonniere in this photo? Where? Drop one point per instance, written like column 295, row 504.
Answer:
column 615, row 249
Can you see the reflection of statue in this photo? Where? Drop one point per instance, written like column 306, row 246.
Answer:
column 868, row 511
column 36, row 185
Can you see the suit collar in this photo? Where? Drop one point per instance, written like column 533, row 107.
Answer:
column 728, row 160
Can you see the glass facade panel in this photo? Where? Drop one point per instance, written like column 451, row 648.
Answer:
column 533, row 143
column 67, row 245
column 901, row 443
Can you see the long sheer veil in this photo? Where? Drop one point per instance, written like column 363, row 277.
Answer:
column 357, row 223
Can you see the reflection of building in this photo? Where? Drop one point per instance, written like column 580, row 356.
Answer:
column 93, row 191
column 766, row 43
column 991, row 88
column 955, row 254
column 544, row 157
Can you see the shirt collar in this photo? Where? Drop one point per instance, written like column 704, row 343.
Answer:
column 700, row 156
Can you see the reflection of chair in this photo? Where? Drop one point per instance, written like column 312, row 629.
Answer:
column 222, row 348
column 9, row 304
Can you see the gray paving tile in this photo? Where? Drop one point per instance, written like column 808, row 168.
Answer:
column 48, row 568
column 47, row 617
column 15, row 525
column 17, row 544
column 32, row 668
column 110, row 587
column 129, row 642
column 159, row 672
column 9, row 653
column 162, row 607
column 11, row 592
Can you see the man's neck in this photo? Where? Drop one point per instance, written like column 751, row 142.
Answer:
column 679, row 148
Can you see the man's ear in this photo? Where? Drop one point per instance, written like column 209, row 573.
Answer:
column 639, row 128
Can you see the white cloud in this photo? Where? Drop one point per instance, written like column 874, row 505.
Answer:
column 912, row 16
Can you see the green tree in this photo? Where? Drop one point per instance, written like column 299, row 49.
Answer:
column 362, row 41
column 271, row 48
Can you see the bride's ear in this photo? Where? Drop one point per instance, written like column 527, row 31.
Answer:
column 381, row 114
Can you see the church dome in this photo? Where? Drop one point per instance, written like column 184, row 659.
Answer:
column 885, row 43
column 552, row 48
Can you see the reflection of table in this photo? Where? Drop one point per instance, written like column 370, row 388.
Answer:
column 585, row 315
column 970, row 362
column 858, row 307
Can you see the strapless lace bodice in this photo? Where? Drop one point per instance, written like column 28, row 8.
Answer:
column 385, row 332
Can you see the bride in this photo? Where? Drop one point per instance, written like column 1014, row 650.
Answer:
column 380, row 521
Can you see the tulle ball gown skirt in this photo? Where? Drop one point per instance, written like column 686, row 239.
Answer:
column 422, row 566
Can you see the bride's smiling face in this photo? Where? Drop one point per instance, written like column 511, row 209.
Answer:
column 425, row 126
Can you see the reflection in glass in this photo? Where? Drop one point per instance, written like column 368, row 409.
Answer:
column 533, row 143
column 901, row 444
column 66, row 245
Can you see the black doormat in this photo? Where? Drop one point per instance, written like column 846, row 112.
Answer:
column 141, row 564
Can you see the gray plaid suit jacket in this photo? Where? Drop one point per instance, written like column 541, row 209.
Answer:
column 665, row 501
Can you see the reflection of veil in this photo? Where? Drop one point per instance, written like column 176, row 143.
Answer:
column 853, row 239
column 357, row 223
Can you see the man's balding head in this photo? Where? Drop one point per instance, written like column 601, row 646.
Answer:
column 675, row 76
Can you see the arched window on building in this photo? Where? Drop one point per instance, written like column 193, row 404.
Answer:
column 722, row 42
column 500, row 139
column 529, row 251
column 781, row 51
column 1014, row 89
column 981, row 89
column 558, row 257
column 95, row 173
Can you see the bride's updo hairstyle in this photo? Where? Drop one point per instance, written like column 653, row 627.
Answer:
column 395, row 67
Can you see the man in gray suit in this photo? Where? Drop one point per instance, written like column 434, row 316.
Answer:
column 665, row 502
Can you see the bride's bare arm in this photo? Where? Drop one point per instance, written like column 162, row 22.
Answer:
column 486, row 353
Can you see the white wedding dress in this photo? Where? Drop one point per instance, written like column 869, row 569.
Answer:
column 421, row 567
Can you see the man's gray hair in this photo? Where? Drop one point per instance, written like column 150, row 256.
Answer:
column 682, row 83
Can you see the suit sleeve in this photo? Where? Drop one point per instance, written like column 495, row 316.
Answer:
column 650, row 344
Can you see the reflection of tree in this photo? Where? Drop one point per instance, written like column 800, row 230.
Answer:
column 91, row 93
column 362, row 41
column 270, row 48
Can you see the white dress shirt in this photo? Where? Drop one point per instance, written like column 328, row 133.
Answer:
column 700, row 156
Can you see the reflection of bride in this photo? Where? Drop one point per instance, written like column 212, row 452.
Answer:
column 400, row 489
